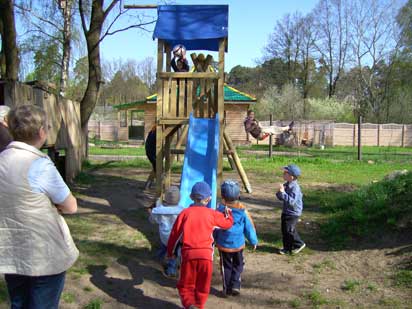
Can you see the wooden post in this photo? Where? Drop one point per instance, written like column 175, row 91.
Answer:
column 403, row 136
column 229, row 155
column 168, row 52
column 159, row 127
column 359, row 138
column 378, row 139
column 354, row 136
column 270, row 137
column 168, row 162
column 221, row 107
column 237, row 162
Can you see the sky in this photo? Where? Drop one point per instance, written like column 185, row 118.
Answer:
column 250, row 24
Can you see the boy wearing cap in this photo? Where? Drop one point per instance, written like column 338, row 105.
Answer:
column 165, row 214
column 193, row 229
column 232, row 241
column 291, row 195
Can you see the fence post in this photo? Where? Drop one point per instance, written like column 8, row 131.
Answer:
column 403, row 136
column 359, row 138
column 354, row 135
column 270, row 137
column 379, row 135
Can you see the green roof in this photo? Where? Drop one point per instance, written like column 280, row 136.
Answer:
column 231, row 94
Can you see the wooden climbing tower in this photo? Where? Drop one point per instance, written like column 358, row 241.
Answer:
column 200, row 91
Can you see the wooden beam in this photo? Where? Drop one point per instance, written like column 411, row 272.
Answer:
column 237, row 162
column 159, row 127
column 182, row 151
column 199, row 75
column 221, row 107
column 140, row 6
column 173, row 121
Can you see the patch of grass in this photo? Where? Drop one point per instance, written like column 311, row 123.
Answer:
column 87, row 289
column 117, row 151
column 372, row 287
column 94, row 304
column 68, row 298
column 403, row 278
column 350, row 285
column 377, row 207
column 389, row 302
column 4, row 295
column 296, row 303
column 316, row 298
column 325, row 264
column 84, row 178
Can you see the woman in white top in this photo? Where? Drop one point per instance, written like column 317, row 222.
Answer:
column 36, row 247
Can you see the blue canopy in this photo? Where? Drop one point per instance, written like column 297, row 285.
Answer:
column 194, row 26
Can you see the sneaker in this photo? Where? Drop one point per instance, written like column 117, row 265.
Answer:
column 297, row 250
column 169, row 274
column 235, row 292
column 283, row 251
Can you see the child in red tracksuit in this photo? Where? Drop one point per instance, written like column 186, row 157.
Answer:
column 193, row 229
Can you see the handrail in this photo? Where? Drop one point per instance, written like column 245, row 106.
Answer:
column 200, row 75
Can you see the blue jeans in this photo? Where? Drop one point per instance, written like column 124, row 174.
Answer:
column 35, row 292
column 171, row 267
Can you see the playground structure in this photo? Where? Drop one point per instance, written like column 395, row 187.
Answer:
column 63, row 117
column 196, row 95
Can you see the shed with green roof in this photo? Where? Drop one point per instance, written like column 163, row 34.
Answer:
column 236, row 106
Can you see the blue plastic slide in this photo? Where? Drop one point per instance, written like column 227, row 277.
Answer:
column 201, row 157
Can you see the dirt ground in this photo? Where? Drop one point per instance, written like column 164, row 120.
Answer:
column 318, row 277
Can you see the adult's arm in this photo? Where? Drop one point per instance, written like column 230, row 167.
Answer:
column 69, row 205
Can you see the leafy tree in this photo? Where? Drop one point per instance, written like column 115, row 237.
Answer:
column 286, row 103
column 46, row 62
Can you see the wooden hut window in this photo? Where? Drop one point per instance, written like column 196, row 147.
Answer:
column 123, row 119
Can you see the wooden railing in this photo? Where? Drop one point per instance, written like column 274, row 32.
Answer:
column 183, row 93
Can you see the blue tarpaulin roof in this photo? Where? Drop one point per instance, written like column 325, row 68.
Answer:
column 194, row 26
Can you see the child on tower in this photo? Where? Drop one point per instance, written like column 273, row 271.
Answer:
column 193, row 229
column 231, row 242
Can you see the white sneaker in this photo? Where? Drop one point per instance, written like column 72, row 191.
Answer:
column 297, row 250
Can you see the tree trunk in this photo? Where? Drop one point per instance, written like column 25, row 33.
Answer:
column 9, row 46
column 2, row 55
column 93, row 89
column 67, row 37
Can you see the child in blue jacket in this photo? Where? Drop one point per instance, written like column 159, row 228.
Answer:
column 291, row 196
column 165, row 214
column 232, row 241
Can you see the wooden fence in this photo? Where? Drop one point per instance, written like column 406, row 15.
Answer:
column 346, row 134
column 63, row 117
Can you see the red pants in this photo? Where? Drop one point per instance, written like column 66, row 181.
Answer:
column 194, row 282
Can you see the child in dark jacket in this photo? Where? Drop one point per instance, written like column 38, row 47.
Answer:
column 193, row 229
column 232, row 241
column 291, row 195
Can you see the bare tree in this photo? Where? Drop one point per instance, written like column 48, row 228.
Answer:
column 286, row 42
column 333, row 40
column 95, row 32
column 308, row 34
column 9, row 51
column 375, row 41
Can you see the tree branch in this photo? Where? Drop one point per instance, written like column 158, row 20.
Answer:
column 82, row 17
column 141, row 26
column 33, row 13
